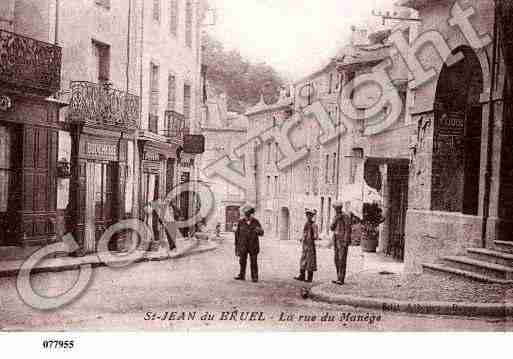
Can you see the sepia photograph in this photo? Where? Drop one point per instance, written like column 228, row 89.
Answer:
column 255, row 166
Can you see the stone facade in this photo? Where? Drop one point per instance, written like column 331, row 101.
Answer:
column 448, row 205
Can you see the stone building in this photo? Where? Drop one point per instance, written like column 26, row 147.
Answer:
column 224, row 131
column 30, row 71
column 460, row 198
column 103, row 139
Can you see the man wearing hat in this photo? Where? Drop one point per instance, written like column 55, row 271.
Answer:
column 247, row 242
column 308, row 262
column 341, row 228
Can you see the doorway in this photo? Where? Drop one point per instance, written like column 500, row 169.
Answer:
column 285, row 224
column 232, row 217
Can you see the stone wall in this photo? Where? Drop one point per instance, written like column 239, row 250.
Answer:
column 431, row 235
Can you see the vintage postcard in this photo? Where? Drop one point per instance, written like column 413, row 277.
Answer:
column 256, row 165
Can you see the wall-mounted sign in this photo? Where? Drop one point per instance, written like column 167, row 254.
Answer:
column 194, row 144
column 5, row 103
column 151, row 156
column 101, row 149
column 185, row 177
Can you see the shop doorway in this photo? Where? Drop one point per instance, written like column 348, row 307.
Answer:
column 457, row 136
column 232, row 217
column 285, row 224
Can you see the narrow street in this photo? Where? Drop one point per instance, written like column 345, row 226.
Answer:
column 119, row 299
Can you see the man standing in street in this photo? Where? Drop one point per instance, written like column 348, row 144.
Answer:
column 247, row 242
column 341, row 228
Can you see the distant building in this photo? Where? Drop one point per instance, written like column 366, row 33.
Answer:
column 224, row 131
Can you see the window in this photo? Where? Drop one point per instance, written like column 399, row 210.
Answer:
column 350, row 77
column 187, row 101
column 103, row 3
column 307, row 180
column 102, row 61
column 322, row 215
column 328, row 217
column 173, row 17
column 326, row 169
column 269, row 152
column 188, row 23
column 268, row 187
column 339, row 81
column 154, row 89
column 5, row 167
column 315, row 181
column 330, row 83
column 156, row 10
column 171, row 92
column 334, row 174
column 276, row 186
column 276, row 152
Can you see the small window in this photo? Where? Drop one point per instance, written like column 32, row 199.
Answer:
column 334, row 174
column 188, row 23
column 187, row 101
column 173, row 17
column 156, row 10
column 171, row 92
column 102, row 61
column 103, row 3
column 154, row 89
column 326, row 169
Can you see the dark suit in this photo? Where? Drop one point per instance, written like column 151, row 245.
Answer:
column 341, row 228
column 247, row 243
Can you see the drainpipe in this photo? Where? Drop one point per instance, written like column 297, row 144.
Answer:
column 56, row 35
column 339, row 137
column 491, row 120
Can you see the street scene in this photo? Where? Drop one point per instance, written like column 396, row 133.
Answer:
column 174, row 165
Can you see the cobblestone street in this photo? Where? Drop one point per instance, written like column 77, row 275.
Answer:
column 121, row 298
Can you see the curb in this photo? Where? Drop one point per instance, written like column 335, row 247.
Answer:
column 192, row 249
column 468, row 309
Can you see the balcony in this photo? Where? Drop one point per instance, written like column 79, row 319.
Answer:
column 29, row 64
column 101, row 105
column 176, row 126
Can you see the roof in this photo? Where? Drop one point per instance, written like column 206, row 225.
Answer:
column 362, row 55
column 261, row 106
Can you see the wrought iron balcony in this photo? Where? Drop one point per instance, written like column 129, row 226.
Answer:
column 29, row 64
column 176, row 126
column 100, row 104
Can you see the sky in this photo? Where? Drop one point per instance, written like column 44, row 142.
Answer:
column 296, row 37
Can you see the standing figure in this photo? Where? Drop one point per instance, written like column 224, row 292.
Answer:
column 247, row 242
column 341, row 228
column 308, row 262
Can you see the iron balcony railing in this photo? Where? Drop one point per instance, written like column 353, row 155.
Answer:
column 100, row 104
column 175, row 126
column 29, row 64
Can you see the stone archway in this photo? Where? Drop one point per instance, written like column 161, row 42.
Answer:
column 457, row 136
column 285, row 224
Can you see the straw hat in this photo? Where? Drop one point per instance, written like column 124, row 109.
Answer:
column 248, row 208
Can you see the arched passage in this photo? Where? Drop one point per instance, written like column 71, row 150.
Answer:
column 457, row 136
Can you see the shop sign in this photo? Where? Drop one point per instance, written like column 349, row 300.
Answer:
column 151, row 156
column 101, row 149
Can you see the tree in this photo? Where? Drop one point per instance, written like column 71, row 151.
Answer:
column 241, row 80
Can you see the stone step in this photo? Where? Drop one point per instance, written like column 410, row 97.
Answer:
column 444, row 269
column 492, row 256
column 480, row 267
column 504, row 246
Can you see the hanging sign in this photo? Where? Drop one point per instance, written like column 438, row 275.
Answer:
column 194, row 144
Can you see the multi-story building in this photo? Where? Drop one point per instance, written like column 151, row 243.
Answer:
column 461, row 177
column 357, row 156
column 128, row 90
column 30, row 68
column 224, row 131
